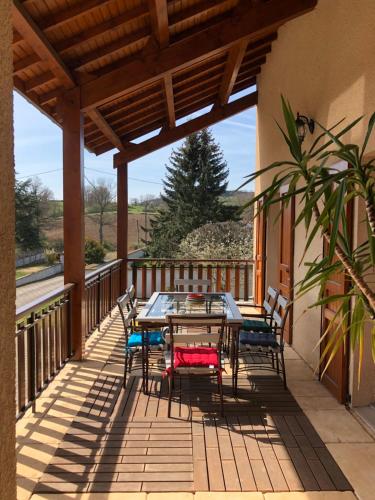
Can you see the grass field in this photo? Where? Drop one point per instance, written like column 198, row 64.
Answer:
column 54, row 229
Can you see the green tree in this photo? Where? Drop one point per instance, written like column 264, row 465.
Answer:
column 32, row 205
column 193, row 194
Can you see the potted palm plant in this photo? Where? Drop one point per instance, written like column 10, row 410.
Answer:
column 323, row 194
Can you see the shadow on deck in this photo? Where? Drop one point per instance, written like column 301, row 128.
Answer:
column 118, row 440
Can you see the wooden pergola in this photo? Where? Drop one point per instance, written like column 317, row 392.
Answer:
column 109, row 72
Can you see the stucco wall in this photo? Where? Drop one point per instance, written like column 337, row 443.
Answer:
column 7, row 261
column 322, row 62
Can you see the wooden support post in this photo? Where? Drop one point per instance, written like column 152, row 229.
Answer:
column 122, row 222
column 74, row 227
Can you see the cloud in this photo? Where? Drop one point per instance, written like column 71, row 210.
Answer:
column 235, row 123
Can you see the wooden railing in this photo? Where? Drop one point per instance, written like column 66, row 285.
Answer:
column 43, row 344
column 102, row 289
column 150, row 275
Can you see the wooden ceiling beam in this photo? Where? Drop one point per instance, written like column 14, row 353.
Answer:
column 252, row 23
column 124, row 115
column 193, row 11
column 25, row 63
column 169, row 98
column 141, row 121
column 201, row 71
column 110, row 48
column 169, row 136
column 71, row 13
column 107, row 131
column 37, row 81
column 232, row 67
column 143, row 103
column 197, row 86
column 196, row 97
column 127, row 121
column 90, row 34
column 159, row 21
column 30, row 31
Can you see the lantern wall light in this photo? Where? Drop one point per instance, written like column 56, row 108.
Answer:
column 303, row 123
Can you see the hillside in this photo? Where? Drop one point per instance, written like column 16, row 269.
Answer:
column 53, row 229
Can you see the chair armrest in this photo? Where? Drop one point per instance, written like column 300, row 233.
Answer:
column 253, row 315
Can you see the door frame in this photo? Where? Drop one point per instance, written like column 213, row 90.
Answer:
column 283, row 190
column 261, row 229
column 344, row 393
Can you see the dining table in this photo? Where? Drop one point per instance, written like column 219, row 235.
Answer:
column 162, row 304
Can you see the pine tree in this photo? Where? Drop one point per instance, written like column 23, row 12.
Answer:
column 193, row 194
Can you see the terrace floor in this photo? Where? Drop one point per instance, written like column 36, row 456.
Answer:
column 90, row 438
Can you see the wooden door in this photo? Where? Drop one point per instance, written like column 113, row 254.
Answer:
column 260, row 256
column 336, row 376
column 286, row 259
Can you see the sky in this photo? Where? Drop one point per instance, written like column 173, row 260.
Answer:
column 38, row 152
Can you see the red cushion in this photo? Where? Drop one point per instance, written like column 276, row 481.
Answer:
column 195, row 356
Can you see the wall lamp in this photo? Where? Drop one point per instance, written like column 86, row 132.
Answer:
column 301, row 123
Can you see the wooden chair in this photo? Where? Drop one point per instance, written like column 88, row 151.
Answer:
column 137, row 339
column 192, row 285
column 192, row 360
column 269, row 344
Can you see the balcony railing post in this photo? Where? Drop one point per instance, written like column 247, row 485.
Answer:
column 98, row 301
column 31, row 349
column 225, row 274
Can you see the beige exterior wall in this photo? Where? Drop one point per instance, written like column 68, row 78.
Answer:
column 7, row 261
column 322, row 63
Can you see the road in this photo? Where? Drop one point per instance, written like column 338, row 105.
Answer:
column 31, row 292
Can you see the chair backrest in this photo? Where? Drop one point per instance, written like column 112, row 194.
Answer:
column 125, row 307
column 190, row 328
column 280, row 314
column 191, row 285
column 270, row 301
column 133, row 299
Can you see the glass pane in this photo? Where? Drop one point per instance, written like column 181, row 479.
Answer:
column 173, row 303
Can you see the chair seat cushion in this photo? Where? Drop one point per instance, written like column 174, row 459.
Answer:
column 154, row 338
column 256, row 325
column 195, row 356
column 258, row 339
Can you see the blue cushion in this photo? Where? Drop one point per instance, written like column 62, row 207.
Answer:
column 154, row 338
column 258, row 339
column 255, row 325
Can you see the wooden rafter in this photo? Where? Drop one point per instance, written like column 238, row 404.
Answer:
column 71, row 13
column 252, row 23
column 159, row 21
column 101, row 29
column 30, row 31
column 169, row 136
column 25, row 62
column 104, row 127
column 109, row 48
column 192, row 11
column 232, row 67
column 168, row 86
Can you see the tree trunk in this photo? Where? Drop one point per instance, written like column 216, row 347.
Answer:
column 101, row 239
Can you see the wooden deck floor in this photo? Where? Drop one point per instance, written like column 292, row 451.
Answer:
column 121, row 440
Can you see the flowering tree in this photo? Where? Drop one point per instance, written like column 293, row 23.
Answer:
column 222, row 240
